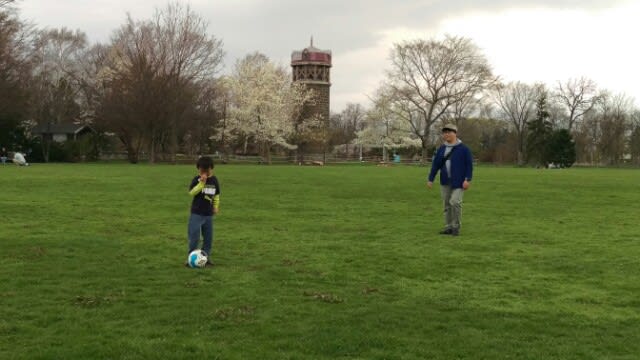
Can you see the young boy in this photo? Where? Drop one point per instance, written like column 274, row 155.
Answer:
column 205, row 190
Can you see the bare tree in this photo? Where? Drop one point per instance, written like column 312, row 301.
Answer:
column 4, row 3
column 155, row 72
column 353, row 117
column 517, row 102
column 464, row 110
column 634, row 139
column 556, row 110
column 429, row 77
column 200, row 121
column 15, row 74
column 578, row 96
column 55, row 89
column 15, row 56
column 587, row 135
column 190, row 57
column 614, row 115
column 92, row 76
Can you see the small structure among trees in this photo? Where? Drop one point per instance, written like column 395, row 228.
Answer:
column 61, row 132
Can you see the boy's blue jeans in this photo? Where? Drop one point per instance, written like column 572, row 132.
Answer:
column 197, row 224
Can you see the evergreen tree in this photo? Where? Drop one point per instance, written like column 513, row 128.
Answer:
column 561, row 149
column 538, row 132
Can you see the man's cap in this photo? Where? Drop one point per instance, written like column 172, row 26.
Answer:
column 451, row 127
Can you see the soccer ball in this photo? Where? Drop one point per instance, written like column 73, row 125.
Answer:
column 197, row 259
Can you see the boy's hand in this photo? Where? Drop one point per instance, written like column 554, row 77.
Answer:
column 203, row 178
column 216, row 211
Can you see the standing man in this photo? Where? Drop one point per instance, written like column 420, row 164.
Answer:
column 455, row 163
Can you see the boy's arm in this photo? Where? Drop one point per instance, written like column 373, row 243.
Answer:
column 216, row 197
column 216, row 203
column 195, row 190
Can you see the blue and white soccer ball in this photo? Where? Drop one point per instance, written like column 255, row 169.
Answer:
column 197, row 259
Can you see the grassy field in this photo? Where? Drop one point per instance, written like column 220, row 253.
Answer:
column 319, row 263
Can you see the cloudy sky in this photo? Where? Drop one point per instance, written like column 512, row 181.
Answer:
column 543, row 40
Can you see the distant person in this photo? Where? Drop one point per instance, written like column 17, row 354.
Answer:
column 205, row 190
column 4, row 155
column 19, row 159
column 454, row 161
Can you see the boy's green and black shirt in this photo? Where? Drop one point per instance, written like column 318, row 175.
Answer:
column 205, row 196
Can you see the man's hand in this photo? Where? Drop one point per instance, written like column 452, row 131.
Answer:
column 429, row 184
column 466, row 184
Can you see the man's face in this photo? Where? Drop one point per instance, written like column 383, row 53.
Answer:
column 449, row 135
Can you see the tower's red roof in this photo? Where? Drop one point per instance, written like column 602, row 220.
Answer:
column 311, row 54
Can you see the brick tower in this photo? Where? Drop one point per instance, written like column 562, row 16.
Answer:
column 311, row 66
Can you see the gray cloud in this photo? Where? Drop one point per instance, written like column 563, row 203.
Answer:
column 278, row 27
column 350, row 25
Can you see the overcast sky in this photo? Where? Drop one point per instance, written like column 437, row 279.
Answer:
column 544, row 40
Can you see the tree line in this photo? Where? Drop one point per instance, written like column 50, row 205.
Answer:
column 432, row 82
column 156, row 89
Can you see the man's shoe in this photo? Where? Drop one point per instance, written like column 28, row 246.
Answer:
column 446, row 232
column 455, row 232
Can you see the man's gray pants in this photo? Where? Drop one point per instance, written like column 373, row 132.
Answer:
column 452, row 199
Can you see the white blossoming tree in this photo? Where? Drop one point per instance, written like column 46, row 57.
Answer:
column 385, row 125
column 265, row 105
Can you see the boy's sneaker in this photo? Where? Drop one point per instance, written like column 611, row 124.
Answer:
column 209, row 263
column 455, row 232
column 446, row 231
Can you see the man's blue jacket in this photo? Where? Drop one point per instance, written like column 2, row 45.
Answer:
column 461, row 166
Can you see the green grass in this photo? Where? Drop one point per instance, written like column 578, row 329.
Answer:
column 319, row 263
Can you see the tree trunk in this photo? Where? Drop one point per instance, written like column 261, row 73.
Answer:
column 519, row 159
column 300, row 154
column 267, row 150
column 425, row 154
column 425, row 150
column 173, row 144
column 132, row 155
column 225, row 152
column 46, row 148
column 152, row 150
column 521, row 148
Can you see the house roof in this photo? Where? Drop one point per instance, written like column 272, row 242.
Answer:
column 60, row 129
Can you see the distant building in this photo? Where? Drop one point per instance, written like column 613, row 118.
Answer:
column 61, row 132
column 311, row 66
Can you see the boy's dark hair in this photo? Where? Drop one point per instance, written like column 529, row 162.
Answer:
column 205, row 162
